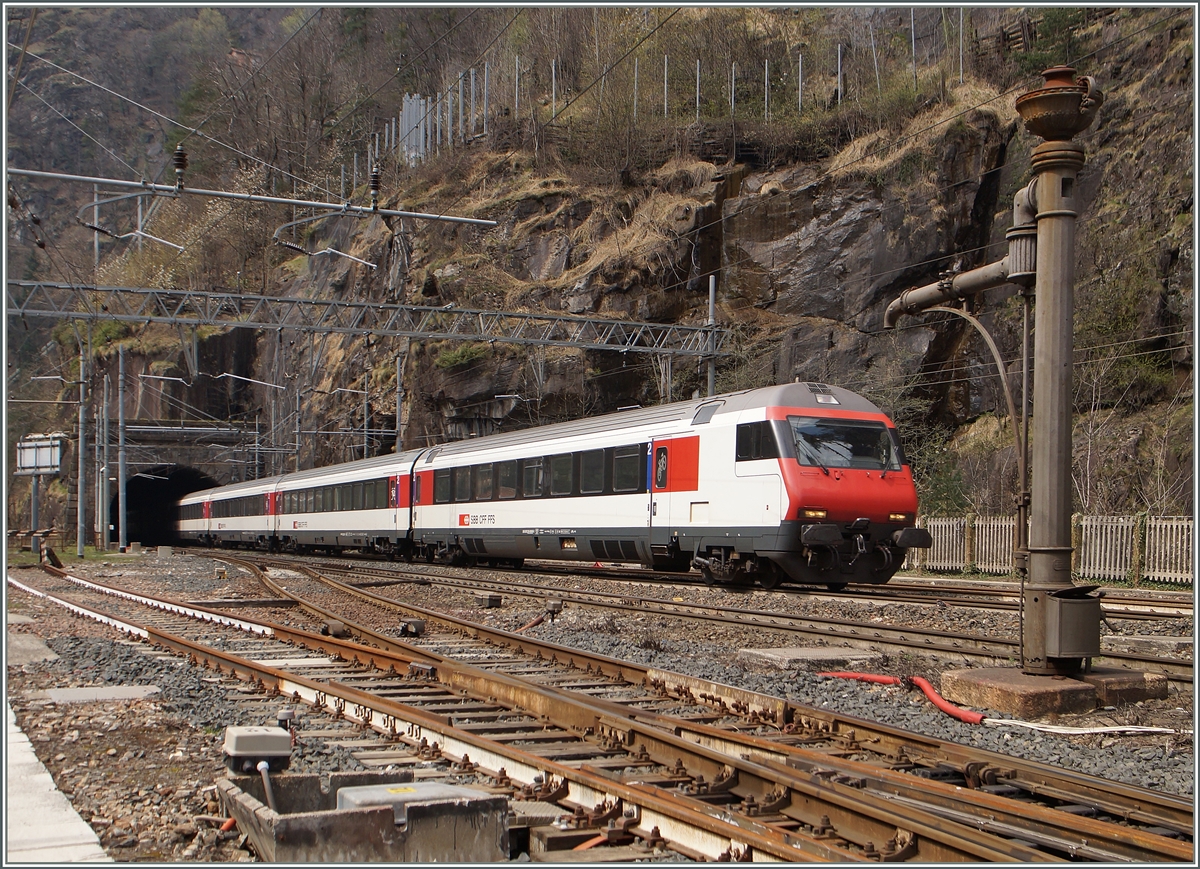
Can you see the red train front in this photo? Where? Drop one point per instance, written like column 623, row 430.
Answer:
column 847, row 509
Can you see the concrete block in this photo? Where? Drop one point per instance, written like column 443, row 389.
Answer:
column 1016, row 693
column 1115, row 686
column 816, row 658
column 26, row 649
column 488, row 601
column 1147, row 645
column 309, row 828
column 97, row 694
column 165, row 551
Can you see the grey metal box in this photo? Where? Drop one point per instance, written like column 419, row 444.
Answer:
column 1072, row 627
column 257, row 741
column 400, row 796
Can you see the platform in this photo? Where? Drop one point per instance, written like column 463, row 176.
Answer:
column 41, row 826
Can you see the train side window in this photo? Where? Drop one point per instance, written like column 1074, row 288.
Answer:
column 531, row 478
column 358, row 496
column 627, row 469
column 441, row 486
column 756, row 440
column 591, row 472
column 318, row 501
column 312, row 501
column 462, row 484
column 416, row 489
column 483, row 482
column 506, row 479
column 382, row 488
column 562, row 474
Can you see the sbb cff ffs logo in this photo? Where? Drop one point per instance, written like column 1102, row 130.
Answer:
column 469, row 519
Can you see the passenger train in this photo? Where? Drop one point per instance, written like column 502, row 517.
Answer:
column 801, row 482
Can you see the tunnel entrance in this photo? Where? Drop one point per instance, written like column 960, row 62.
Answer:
column 150, row 496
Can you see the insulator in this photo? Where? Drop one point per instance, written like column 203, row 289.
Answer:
column 375, row 184
column 179, row 161
column 291, row 246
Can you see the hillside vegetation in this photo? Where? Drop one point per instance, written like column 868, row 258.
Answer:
column 814, row 207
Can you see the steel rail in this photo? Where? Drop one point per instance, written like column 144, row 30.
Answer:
column 854, row 634
column 1113, row 798
column 791, row 793
column 1078, row 838
column 920, row 836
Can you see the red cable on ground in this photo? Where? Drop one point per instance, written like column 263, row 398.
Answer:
column 926, row 689
column 229, row 824
column 945, row 705
column 865, row 677
column 532, row 624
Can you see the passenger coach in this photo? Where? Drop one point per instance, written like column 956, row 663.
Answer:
column 803, row 481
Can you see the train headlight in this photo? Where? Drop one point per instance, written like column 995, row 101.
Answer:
column 814, row 514
column 900, row 517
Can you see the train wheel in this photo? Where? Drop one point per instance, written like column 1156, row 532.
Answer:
column 837, row 586
column 769, row 577
column 707, row 575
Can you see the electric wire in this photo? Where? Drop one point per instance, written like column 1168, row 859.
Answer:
column 84, row 132
column 192, row 130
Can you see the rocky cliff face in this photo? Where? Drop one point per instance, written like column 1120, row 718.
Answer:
column 808, row 257
column 809, row 245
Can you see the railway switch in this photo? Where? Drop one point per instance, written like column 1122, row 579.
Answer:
column 246, row 747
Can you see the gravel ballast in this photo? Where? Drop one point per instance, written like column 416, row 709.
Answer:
column 142, row 772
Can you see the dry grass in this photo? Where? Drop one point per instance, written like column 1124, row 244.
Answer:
column 877, row 152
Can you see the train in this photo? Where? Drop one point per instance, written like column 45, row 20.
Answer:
column 801, row 483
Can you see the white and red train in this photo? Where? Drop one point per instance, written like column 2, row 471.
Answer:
column 802, row 482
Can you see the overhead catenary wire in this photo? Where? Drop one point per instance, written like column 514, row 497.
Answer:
column 958, row 253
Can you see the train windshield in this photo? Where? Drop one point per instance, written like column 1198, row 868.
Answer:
column 844, row 443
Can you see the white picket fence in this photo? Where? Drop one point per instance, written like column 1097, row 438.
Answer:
column 1113, row 548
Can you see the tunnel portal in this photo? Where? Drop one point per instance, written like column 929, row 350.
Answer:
column 150, row 497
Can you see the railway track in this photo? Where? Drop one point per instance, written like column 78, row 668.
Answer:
column 629, row 749
column 1002, row 595
column 854, row 634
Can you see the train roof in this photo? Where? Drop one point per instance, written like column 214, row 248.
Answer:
column 386, row 462
column 818, row 396
column 815, row 396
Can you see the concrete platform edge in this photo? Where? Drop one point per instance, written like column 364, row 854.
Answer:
column 41, row 825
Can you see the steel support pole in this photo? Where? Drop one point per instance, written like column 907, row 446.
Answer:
column 1056, row 165
column 34, row 497
column 399, row 403
column 105, row 507
column 712, row 322
column 122, row 525
column 1060, row 629
column 81, row 485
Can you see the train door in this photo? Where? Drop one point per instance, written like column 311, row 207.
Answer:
column 758, row 502
column 673, row 472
